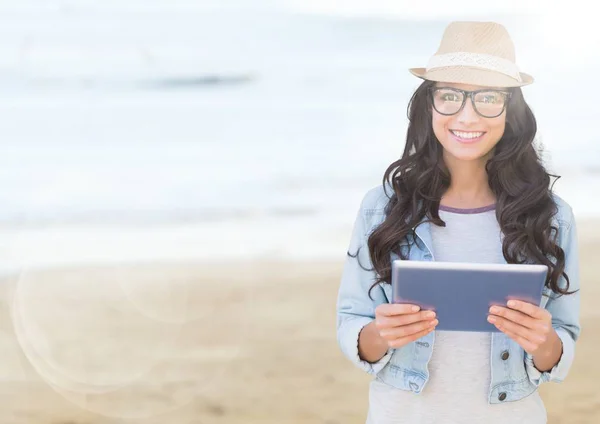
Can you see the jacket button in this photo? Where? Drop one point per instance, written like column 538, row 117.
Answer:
column 502, row 396
column 505, row 355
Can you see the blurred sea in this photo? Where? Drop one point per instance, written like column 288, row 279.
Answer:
column 172, row 129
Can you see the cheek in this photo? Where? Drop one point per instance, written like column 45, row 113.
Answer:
column 496, row 129
column 440, row 125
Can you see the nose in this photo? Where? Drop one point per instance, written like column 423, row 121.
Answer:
column 467, row 115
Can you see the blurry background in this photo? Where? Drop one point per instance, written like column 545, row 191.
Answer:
column 178, row 182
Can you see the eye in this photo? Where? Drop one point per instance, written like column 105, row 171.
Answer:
column 449, row 96
column 490, row 98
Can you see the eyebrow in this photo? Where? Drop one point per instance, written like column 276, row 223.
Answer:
column 479, row 89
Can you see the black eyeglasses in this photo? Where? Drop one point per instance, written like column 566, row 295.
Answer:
column 487, row 103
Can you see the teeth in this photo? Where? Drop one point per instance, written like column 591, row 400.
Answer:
column 467, row 135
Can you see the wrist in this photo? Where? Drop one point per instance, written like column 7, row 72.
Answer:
column 379, row 341
column 371, row 346
column 549, row 355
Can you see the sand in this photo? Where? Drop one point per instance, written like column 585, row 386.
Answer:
column 194, row 342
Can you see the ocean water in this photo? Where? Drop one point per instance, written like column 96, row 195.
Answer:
column 221, row 130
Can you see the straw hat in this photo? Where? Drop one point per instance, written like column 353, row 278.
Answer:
column 478, row 53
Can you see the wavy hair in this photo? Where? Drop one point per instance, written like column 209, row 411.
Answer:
column 516, row 176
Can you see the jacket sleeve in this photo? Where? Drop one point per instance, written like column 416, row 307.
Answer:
column 354, row 307
column 564, row 310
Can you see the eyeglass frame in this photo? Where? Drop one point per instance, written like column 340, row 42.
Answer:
column 470, row 94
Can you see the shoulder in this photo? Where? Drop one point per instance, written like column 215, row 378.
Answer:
column 376, row 199
column 372, row 206
column 564, row 215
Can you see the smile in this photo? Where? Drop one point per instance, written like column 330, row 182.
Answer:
column 469, row 136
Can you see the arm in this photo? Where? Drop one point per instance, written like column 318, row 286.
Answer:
column 355, row 310
column 554, row 363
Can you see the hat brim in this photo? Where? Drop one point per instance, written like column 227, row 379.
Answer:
column 471, row 75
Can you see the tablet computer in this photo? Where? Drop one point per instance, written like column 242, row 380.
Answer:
column 462, row 293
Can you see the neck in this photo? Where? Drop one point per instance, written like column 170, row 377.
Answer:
column 469, row 187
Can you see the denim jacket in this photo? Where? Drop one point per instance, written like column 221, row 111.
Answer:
column 513, row 374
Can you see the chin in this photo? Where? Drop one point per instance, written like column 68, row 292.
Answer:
column 467, row 156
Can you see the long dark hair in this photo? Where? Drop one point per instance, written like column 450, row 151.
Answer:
column 516, row 175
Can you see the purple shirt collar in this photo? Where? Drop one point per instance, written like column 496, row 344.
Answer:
column 468, row 211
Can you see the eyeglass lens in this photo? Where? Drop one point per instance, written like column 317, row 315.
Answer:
column 487, row 103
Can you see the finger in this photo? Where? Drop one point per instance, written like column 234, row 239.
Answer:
column 526, row 333
column 517, row 317
column 405, row 340
column 386, row 322
column 391, row 309
column 407, row 330
column 523, row 342
column 530, row 309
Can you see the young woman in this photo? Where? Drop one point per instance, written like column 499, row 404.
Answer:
column 468, row 187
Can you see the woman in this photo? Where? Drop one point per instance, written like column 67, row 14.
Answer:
column 469, row 187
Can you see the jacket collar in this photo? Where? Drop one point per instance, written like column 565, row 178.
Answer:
column 423, row 231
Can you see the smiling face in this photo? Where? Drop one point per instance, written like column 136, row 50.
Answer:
column 467, row 136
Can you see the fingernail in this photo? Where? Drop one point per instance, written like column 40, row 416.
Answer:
column 512, row 303
column 430, row 314
column 491, row 319
column 415, row 308
column 494, row 310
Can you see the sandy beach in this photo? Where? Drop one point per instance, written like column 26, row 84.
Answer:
column 193, row 342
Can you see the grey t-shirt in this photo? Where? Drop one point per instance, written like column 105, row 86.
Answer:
column 460, row 373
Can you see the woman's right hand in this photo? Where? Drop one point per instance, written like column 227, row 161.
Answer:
column 398, row 324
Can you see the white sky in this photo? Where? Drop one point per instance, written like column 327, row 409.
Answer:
column 418, row 9
column 570, row 28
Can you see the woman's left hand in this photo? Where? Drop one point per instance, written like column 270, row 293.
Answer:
column 528, row 325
